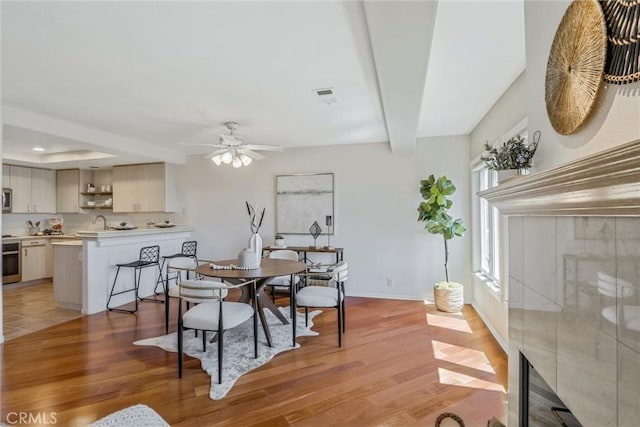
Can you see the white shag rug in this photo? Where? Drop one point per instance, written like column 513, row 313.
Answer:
column 133, row 416
column 238, row 348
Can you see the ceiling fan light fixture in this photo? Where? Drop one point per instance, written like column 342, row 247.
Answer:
column 246, row 160
column 237, row 163
column 217, row 159
column 227, row 158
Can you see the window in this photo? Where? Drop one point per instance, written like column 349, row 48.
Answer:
column 489, row 227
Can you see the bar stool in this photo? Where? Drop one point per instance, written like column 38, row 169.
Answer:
column 149, row 256
column 189, row 250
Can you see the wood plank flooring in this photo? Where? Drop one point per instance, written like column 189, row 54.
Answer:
column 31, row 308
column 402, row 363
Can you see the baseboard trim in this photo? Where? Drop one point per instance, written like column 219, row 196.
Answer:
column 496, row 336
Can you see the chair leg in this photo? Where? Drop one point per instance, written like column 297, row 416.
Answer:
column 122, row 310
column 306, row 316
column 255, row 322
column 204, row 341
column 166, row 307
column 180, row 339
column 220, row 343
column 339, row 307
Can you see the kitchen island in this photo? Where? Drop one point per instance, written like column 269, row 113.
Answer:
column 102, row 250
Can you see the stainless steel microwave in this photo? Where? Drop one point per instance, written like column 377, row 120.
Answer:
column 7, row 200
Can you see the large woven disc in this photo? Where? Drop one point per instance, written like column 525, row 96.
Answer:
column 576, row 65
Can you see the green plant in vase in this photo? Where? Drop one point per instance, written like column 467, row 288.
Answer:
column 433, row 211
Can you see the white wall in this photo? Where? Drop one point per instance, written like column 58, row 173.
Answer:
column 376, row 197
column 616, row 116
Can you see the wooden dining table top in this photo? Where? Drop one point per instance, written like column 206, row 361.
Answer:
column 269, row 267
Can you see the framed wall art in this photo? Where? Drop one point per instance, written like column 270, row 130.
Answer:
column 303, row 199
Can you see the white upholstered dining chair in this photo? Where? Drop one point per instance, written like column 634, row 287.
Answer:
column 325, row 289
column 282, row 283
column 214, row 315
column 182, row 267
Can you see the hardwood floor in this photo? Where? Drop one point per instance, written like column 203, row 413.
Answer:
column 31, row 308
column 402, row 363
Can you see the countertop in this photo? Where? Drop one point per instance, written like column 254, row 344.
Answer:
column 75, row 242
column 114, row 234
column 55, row 236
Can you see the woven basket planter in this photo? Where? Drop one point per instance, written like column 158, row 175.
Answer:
column 449, row 296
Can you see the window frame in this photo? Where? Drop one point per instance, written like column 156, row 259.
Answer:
column 490, row 244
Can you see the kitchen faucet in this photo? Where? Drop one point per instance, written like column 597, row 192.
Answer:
column 103, row 219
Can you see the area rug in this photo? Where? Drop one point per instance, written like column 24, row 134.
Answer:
column 238, row 348
column 133, row 416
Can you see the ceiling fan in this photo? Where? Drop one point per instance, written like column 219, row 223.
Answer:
column 233, row 150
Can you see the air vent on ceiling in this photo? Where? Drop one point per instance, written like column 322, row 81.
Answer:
column 326, row 95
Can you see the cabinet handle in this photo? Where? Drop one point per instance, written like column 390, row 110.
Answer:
column 25, row 252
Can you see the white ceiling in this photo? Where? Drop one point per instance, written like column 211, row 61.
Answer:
column 133, row 79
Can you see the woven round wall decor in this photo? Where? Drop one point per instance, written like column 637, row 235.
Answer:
column 576, row 65
column 623, row 32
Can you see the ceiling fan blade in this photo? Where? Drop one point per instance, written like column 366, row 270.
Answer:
column 215, row 153
column 206, row 145
column 252, row 154
column 263, row 147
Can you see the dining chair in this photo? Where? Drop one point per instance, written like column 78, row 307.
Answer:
column 325, row 289
column 215, row 315
column 181, row 267
column 282, row 283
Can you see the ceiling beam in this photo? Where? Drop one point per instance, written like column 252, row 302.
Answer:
column 401, row 33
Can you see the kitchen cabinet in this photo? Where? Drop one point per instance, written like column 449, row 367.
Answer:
column 67, row 190
column 36, row 259
column 34, row 190
column 6, row 176
column 67, row 274
column 145, row 188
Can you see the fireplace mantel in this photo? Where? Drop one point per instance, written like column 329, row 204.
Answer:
column 603, row 184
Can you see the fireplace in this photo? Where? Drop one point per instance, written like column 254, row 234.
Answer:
column 539, row 405
column 574, row 291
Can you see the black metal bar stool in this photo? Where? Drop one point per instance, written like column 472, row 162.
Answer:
column 149, row 256
column 189, row 250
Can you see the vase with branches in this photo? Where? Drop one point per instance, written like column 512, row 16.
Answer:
column 255, row 223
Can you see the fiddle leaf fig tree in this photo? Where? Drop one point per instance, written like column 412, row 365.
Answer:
column 433, row 211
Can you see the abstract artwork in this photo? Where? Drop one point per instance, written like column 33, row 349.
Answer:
column 302, row 200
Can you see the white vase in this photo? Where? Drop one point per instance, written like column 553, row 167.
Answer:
column 255, row 244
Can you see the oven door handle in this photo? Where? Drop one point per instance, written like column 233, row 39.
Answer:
column 11, row 253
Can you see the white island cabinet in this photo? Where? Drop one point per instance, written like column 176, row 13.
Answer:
column 103, row 250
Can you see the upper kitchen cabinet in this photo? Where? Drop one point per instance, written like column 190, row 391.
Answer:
column 67, row 190
column 145, row 188
column 34, row 190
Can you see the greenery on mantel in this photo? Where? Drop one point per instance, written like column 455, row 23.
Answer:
column 513, row 154
column 433, row 211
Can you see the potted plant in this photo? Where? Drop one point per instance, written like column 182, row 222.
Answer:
column 433, row 211
column 514, row 155
column 279, row 241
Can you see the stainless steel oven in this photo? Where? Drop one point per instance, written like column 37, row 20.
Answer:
column 11, row 262
column 7, row 200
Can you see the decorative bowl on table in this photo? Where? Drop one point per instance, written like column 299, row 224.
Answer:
column 123, row 226
column 166, row 224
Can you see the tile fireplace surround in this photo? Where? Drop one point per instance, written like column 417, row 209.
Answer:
column 574, row 284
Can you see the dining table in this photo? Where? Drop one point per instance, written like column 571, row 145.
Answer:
column 268, row 269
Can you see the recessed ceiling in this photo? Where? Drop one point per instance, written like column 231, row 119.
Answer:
column 133, row 79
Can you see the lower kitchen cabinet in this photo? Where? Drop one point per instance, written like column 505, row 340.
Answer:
column 36, row 259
